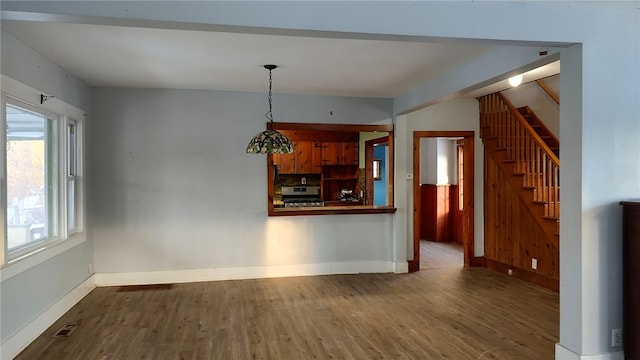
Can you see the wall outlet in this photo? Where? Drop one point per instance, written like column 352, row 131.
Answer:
column 534, row 263
column 616, row 337
column 510, row 272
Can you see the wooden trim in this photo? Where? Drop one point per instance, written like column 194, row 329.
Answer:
column 333, row 210
column 368, row 169
column 270, row 185
column 522, row 274
column 468, row 210
column 329, row 127
column 416, row 199
column 479, row 261
column 368, row 159
column 391, row 169
column 546, row 89
column 413, row 265
column 468, row 231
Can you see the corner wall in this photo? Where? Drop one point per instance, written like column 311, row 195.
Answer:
column 32, row 289
column 175, row 195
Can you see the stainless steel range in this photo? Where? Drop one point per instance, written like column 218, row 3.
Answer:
column 301, row 196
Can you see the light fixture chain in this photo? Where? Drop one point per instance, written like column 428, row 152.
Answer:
column 270, row 113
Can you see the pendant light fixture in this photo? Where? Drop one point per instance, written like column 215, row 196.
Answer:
column 270, row 141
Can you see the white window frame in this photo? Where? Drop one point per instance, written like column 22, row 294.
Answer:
column 61, row 113
column 58, row 202
column 74, row 173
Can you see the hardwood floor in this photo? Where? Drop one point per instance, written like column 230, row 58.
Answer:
column 446, row 313
column 437, row 255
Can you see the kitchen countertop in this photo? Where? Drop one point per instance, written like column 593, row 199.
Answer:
column 333, row 210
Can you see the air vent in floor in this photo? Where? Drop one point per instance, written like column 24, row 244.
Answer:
column 145, row 287
column 65, row 331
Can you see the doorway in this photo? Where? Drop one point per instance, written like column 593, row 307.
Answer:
column 376, row 156
column 460, row 205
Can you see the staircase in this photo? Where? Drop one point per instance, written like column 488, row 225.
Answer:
column 527, row 152
column 541, row 129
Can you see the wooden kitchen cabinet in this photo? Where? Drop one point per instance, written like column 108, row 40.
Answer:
column 340, row 153
column 306, row 159
column 349, row 154
column 338, row 177
column 329, row 152
column 285, row 162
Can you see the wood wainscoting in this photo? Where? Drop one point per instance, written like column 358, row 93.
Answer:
column 512, row 235
column 441, row 219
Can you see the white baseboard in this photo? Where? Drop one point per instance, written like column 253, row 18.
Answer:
column 21, row 339
column 562, row 353
column 401, row 267
column 255, row 272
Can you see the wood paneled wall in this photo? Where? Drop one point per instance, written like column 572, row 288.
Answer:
column 437, row 207
column 512, row 235
column 457, row 216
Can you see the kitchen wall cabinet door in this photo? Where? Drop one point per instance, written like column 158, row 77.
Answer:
column 286, row 163
column 316, row 157
column 306, row 159
column 303, row 157
column 340, row 153
column 349, row 154
column 331, row 153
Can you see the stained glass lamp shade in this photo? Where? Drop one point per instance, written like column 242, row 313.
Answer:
column 270, row 141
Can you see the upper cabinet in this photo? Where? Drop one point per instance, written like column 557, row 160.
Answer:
column 313, row 150
column 340, row 153
column 306, row 159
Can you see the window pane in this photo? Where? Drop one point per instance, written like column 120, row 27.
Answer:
column 30, row 177
column 71, row 174
column 71, row 205
column 376, row 169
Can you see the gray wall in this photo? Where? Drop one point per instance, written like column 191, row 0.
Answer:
column 31, row 292
column 173, row 189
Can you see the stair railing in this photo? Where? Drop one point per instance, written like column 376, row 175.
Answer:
column 530, row 155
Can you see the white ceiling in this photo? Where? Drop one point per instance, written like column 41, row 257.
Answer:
column 143, row 57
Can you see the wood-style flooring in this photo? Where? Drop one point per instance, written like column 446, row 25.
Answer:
column 438, row 313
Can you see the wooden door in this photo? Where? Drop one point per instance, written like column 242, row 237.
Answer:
column 330, row 153
column 304, row 157
column 316, row 158
column 286, row 163
column 349, row 154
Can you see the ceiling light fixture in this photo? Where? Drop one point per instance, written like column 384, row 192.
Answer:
column 515, row 81
column 270, row 141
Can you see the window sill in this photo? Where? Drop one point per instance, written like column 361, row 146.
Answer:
column 333, row 210
column 40, row 255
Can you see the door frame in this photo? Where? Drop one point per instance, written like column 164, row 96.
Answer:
column 368, row 167
column 468, row 188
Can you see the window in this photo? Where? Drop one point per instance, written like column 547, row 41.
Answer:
column 377, row 175
column 32, row 191
column 42, row 188
column 72, row 165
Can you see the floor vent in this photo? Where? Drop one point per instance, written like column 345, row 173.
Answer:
column 65, row 331
column 150, row 287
